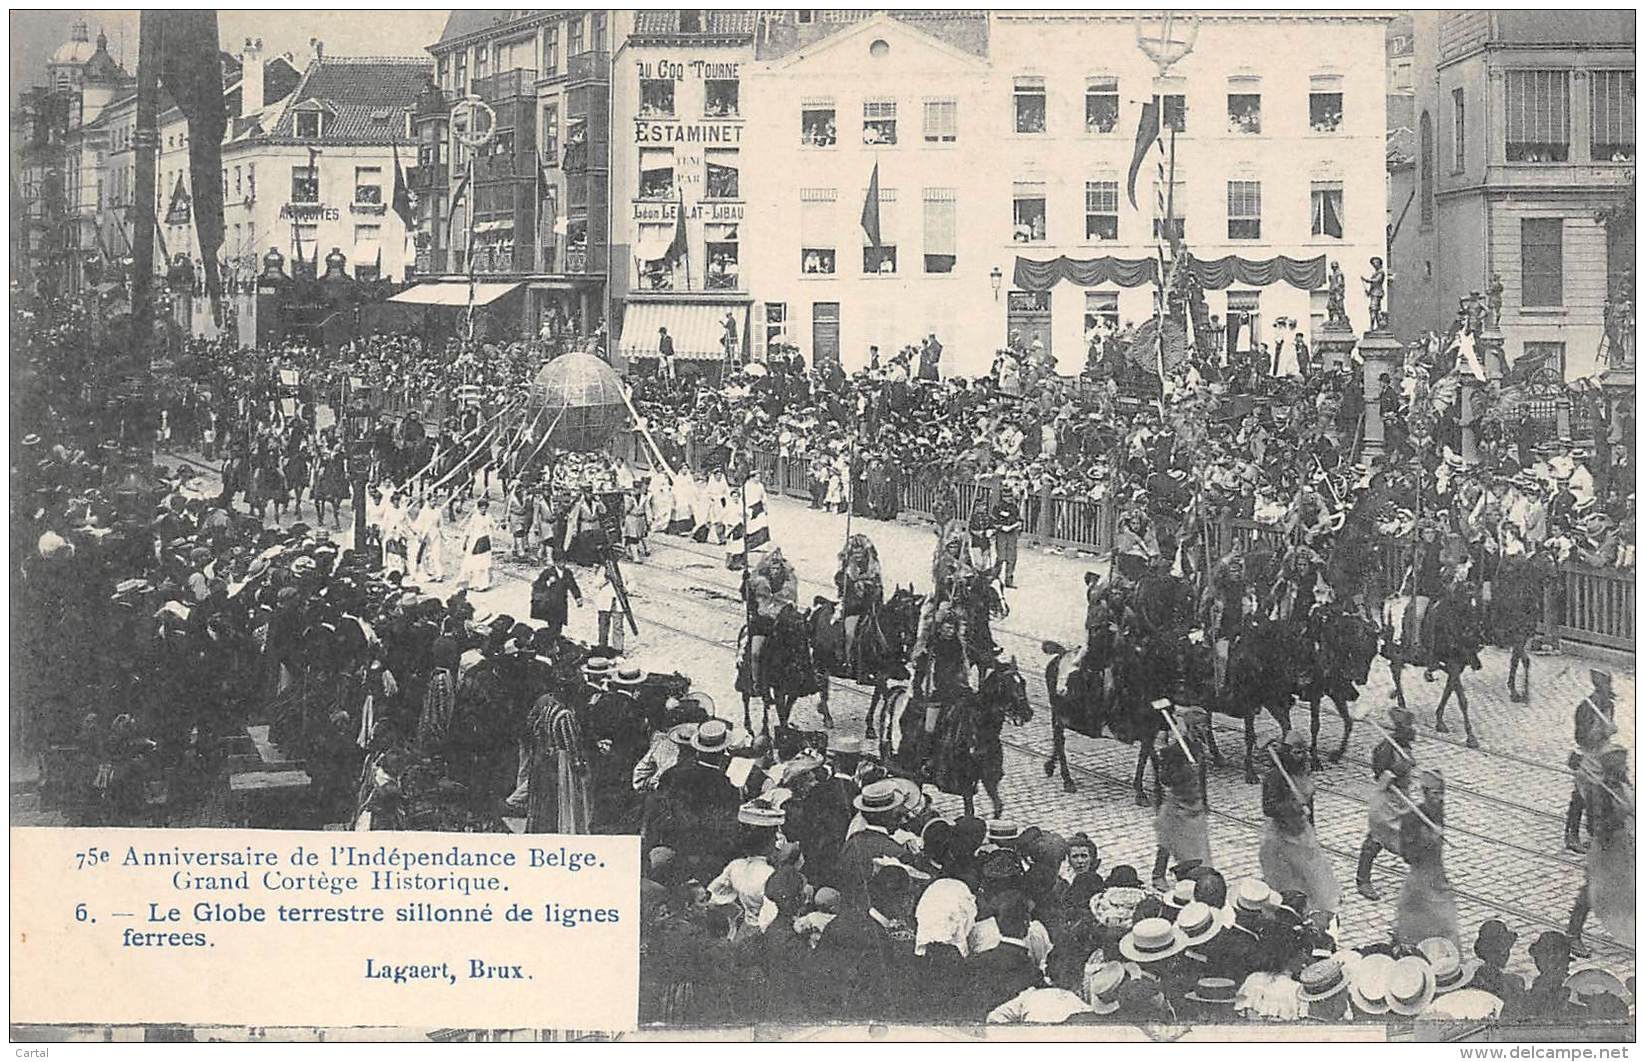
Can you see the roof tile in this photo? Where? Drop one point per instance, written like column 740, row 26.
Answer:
column 359, row 91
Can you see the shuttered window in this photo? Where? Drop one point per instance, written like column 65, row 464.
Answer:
column 941, row 229
column 1542, row 261
column 1611, row 94
column 1539, row 115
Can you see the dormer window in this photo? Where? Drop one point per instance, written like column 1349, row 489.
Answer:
column 309, row 124
column 691, row 21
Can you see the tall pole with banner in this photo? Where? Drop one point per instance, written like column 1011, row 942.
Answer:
column 474, row 124
column 1165, row 39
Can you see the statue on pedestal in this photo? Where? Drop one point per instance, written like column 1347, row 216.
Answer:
column 1375, row 289
column 1493, row 299
column 1336, row 309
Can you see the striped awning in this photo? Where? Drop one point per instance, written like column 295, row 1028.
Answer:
column 452, row 293
column 697, row 328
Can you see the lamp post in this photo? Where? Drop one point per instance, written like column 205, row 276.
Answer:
column 362, row 418
column 995, row 277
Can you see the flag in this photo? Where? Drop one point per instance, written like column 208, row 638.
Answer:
column 379, row 261
column 192, row 73
column 456, row 197
column 1470, row 355
column 871, row 208
column 1147, row 133
column 316, row 257
column 402, row 195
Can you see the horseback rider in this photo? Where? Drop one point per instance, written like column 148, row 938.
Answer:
column 859, row 581
column 770, row 588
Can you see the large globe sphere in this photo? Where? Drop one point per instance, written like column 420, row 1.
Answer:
column 578, row 400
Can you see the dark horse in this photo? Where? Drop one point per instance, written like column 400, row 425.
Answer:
column 1342, row 642
column 962, row 750
column 1516, row 612
column 787, row 671
column 885, row 637
column 1450, row 640
column 1114, row 683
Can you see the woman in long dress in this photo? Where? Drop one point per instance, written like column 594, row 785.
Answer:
column 1427, row 907
column 559, row 796
column 1181, row 823
column 1609, row 888
column 1291, row 857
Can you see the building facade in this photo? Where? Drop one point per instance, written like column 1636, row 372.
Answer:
column 1007, row 138
column 528, row 206
column 681, row 141
column 1525, row 150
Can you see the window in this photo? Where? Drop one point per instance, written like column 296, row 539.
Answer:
column 1175, row 114
column 817, row 127
column 239, row 188
column 1553, row 354
column 817, row 251
column 1325, row 203
column 691, row 21
column 656, row 97
column 305, row 184
column 1611, row 106
column 1174, row 202
column 309, row 125
column 879, row 122
column 574, row 36
column 882, row 259
column 551, row 133
column 1325, row 110
column 1102, row 314
column 251, row 182
column 1245, row 113
column 1102, row 210
column 1102, row 104
column 1425, row 168
column 1028, row 213
column 1245, row 210
column 721, row 173
column 776, row 323
column 805, row 18
column 942, row 120
column 721, row 98
column 368, row 185
column 481, row 63
column 551, row 51
column 367, row 250
column 941, row 229
column 1459, row 132
column 442, row 71
column 1028, row 302
column 1539, row 115
column 1242, row 319
column 656, row 173
column 721, row 247
column 1542, row 261
column 460, row 80
column 599, row 31
column 1028, row 103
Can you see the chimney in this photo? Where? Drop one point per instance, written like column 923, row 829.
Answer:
column 319, row 47
column 251, row 76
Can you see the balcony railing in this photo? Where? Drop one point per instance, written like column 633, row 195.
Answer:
column 506, row 85
column 589, row 66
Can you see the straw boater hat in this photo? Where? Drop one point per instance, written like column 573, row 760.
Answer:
column 1213, row 991
column 1450, row 972
column 599, row 668
column 1152, row 940
column 1198, row 923
column 1410, row 986
column 881, row 796
column 629, row 677
column 1180, row 896
column 713, row 735
column 682, row 733
column 1368, row 983
column 1003, row 833
column 1323, row 980
column 1102, row 986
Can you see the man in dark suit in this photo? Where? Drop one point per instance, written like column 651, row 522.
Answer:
column 548, row 597
column 864, row 952
column 819, row 816
column 881, row 806
column 1008, row 968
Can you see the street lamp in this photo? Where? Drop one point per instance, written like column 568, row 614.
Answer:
column 362, row 419
column 994, row 278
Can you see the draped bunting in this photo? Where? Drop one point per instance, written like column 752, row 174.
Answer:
column 1212, row 274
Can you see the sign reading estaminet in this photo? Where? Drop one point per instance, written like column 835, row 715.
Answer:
column 300, row 928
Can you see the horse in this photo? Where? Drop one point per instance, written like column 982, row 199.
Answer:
column 787, row 671
column 1343, row 642
column 956, row 746
column 1450, row 640
column 1516, row 611
column 1113, row 685
column 884, row 640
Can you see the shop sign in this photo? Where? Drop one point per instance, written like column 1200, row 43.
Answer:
column 728, row 133
column 309, row 212
column 656, row 212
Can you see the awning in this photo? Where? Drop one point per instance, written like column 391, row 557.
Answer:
column 697, row 328
column 654, row 242
column 452, row 293
column 494, row 226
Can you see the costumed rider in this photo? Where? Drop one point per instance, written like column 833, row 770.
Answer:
column 769, row 588
column 862, row 591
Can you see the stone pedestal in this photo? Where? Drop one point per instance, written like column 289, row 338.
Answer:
column 1489, row 349
column 1381, row 353
column 1335, row 345
column 1619, row 397
column 1467, row 411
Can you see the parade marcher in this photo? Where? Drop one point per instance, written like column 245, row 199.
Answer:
column 1007, row 531
column 1180, row 817
column 859, row 582
column 478, row 535
column 1392, row 765
column 427, row 541
column 1291, row 855
column 518, row 514
column 769, row 589
column 1594, row 728
column 608, row 607
column 1608, row 888
column 1427, row 904
column 553, row 585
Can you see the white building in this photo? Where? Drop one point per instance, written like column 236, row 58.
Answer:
column 1010, row 135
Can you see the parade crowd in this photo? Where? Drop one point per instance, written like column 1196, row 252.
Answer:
column 789, row 877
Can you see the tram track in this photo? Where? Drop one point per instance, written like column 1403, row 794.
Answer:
column 1038, row 751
